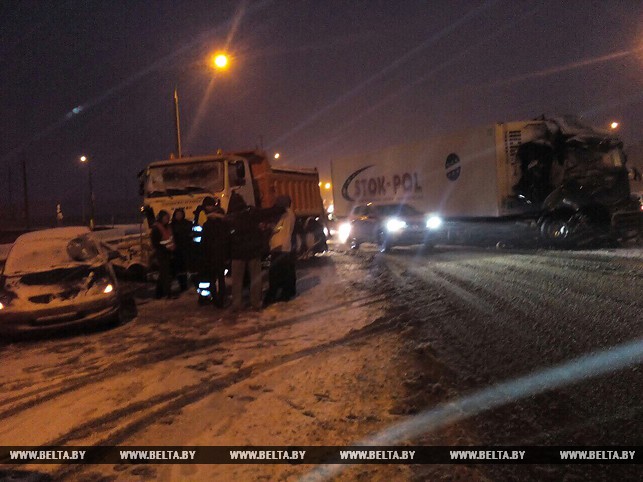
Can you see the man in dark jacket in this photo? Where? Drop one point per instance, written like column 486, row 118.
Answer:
column 182, row 232
column 216, row 249
column 246, row 247
column 163, row 243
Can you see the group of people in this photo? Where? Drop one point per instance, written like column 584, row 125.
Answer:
column 238, row 240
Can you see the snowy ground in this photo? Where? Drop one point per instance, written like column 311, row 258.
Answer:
column 371, row 340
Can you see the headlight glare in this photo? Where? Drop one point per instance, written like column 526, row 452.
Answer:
column 344, row 232
column 434, row 222
column 394, row 225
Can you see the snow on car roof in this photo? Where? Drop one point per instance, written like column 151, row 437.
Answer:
column 54, row 233
column 43, row 250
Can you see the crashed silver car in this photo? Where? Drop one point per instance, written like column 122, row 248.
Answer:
column 55, row 278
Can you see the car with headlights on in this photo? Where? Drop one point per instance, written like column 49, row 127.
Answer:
column 56, row 278
column 388, row 225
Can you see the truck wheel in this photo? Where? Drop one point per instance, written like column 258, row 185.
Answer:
column 556, row 230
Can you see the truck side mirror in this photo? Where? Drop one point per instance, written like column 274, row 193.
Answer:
column 241, row 173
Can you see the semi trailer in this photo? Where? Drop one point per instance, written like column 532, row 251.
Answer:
column 567, row 180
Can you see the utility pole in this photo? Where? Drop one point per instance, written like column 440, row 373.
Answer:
column 177, row 122
column 24, row 187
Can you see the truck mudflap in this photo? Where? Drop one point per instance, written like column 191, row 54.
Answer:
column 627, row 224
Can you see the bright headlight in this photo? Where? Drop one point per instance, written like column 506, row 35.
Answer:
column 434, row 222
column 394, row 225
column 1, row 306
column 197, row 229
column 344, row 232
column 108, row 289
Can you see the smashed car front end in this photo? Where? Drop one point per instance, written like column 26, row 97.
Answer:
column 58, row 298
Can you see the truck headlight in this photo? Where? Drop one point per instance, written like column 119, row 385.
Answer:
column 434, row 222
column 394, row 225
column 344, row 232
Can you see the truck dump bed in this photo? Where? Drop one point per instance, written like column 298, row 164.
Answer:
column 302, row 185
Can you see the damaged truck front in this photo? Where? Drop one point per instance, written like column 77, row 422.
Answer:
column 578, row 177
column 557, row 179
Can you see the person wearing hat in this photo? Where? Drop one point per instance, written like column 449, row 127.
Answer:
column 215, row 242
column 163, row 243
column 282, row 276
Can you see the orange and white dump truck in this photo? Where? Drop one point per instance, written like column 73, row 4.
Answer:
column 183, row 183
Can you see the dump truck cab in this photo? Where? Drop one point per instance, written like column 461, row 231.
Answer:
column 184, row 183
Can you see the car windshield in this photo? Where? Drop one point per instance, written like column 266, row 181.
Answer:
column 397, row 210
column 185, row 178
column 50, row 253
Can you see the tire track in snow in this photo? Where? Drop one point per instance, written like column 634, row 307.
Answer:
column 165, row 350
column 146, row 413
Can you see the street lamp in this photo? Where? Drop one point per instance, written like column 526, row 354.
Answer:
column 92, row 199
column 614, row 125
column 220, row 61
column 277, row 155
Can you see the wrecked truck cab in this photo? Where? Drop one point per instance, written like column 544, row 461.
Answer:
column 57, row 278
column 577, row 177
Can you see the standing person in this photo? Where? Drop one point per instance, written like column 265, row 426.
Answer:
column 182, row 232
column 282, row 276
column 163, row 243
column 246, row 247
column 216, row 249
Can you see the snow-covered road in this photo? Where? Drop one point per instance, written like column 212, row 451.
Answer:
column 370, row 340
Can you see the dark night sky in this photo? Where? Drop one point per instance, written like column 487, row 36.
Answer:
column 315, row 80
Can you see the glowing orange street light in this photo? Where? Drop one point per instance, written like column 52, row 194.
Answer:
column 277, row 155
column 220, row 61
column 614, row 125
column 327, row 185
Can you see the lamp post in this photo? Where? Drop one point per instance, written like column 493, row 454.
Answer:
column 92, row 199
column 219, row 61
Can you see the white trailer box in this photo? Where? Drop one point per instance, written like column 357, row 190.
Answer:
column 463, row 175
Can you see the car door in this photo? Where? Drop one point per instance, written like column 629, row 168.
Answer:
column 357, row 220
column 368, row 220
